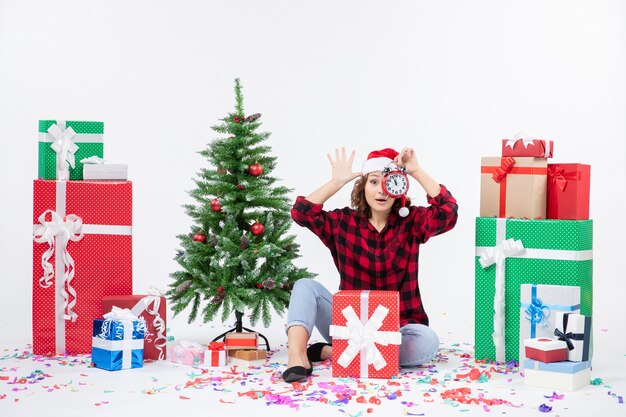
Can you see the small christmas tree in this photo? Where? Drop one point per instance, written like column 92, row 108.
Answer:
column 238, row 255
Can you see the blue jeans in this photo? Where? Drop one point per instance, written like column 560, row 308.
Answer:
column 311, row 306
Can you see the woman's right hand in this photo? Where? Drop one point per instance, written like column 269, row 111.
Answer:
column 342, row 167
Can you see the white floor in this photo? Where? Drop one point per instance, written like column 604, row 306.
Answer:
column 31, row 386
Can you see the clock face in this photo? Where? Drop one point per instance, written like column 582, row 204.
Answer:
column 396, row 184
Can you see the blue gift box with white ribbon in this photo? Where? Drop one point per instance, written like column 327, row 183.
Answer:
column 117, row 344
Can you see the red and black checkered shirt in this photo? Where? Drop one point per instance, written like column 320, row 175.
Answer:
column 369, row 260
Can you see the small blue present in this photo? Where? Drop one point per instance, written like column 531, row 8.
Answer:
column 117, row 341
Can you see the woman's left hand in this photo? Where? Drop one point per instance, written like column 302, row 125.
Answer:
column 407, row 159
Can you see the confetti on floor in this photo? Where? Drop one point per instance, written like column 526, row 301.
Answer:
column 454, row 380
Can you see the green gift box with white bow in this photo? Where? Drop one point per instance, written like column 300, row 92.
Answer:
column 512, row 252
column 68, row 141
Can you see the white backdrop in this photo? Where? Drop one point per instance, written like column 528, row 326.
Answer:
column 450, row 78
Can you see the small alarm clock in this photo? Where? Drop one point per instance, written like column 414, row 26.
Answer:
column 395, row 181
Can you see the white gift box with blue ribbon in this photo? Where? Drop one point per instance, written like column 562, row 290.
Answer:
column 118, row 341
column 539, row 305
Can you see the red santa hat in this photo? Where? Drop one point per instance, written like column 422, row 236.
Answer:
column 379, row 160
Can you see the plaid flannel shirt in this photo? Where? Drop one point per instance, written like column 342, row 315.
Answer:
column 369, row 260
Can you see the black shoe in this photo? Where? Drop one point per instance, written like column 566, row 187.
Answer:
column 314, row 352
column 297, row 373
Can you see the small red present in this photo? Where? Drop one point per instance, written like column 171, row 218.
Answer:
column 215, row 354
column 537, row 148
column 366, row 336
column 568, row 191
column 241, row 340
column 545, row 350
column 152, row 309
column 82, row 252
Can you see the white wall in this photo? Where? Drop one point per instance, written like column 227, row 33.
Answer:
column 450, row 78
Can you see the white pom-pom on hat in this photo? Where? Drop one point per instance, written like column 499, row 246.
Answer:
column 404, row 210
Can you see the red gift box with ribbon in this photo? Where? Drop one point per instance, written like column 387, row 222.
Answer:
column 568, row 191
column 513, row 187
column 241, row 340
column 545, row 350
column 82, row 252
column 215, row 354
column 366, row 334
column 151, row 308
column 519, row 146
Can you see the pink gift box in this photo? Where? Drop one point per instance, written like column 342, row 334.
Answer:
column 185, row 352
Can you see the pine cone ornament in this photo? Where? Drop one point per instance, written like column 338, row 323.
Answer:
column 183, row 286
column 213, row 240
column 218, row 298
column 269, row 284
column 252, row 117
column 245, row 242
column 221, row 170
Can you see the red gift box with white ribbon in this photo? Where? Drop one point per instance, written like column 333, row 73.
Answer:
column 82, row 252
column 151, row 308
column 545, row 350
column 366, row 336
column 520, row 146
